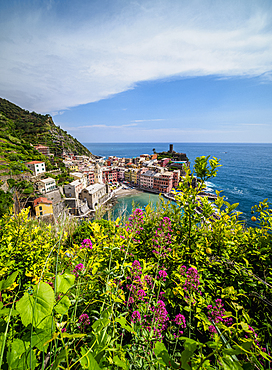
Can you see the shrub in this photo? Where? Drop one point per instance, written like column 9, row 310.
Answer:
column 174, row 287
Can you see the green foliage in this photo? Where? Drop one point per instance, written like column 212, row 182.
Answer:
column 185, row 286
column 20, row 126
column 6, row 202
column 23, row 247
column 36, row 306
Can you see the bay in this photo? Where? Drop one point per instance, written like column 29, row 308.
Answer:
column 245, row 176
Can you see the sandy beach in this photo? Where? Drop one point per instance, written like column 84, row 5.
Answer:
column 123, row 192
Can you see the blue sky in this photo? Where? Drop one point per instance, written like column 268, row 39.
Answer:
column 142, row 71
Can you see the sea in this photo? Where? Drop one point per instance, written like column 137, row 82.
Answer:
column 245, row 176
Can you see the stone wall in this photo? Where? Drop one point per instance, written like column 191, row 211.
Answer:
column 58, row 202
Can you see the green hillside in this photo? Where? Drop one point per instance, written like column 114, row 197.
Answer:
column 20, row 130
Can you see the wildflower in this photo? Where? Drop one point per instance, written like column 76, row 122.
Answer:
column 180, row 320
column 86, row 244
column 130, row 300
column 136, row 264
column 141, row 293
column 163, row 274
column 216, row 314
column 212, row 329
column 84, row 320
column 136, row 316
column 192, row 280
column 160, row 317
column 63, row 330
column 78, row 268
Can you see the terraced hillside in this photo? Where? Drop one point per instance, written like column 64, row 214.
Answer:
column 20, row 130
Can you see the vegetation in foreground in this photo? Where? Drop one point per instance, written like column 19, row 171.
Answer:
column 167, row 289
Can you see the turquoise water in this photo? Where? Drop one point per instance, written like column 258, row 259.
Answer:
column 244, row 178
column 125, row 204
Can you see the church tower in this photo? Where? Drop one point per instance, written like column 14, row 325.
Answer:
column 97, row 174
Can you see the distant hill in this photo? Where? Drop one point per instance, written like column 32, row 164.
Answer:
column 20, row 130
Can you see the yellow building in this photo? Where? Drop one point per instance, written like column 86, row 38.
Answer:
column 133, row 176
column 43, row 206
column 73, row 167
column 127, row 175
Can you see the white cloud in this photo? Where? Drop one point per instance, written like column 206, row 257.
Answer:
column 254, row 124
column 101, row 126
column 50, row 63
column 149, row 120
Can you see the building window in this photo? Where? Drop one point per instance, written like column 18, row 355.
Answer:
column 40, row 208
column 41, row 213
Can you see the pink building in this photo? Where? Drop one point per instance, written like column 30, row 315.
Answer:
column 176, row 178
column 163, row 182
column 163, row 162
column 109, row 175
column 146, row 179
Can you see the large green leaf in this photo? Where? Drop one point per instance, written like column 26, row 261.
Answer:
column 228, row 363
column 120, row 363
column 63, row 305
column 35, row 308
column 87, row 360
column 61, row 357
column 39, row 338
column 163, row 356
column 64, row 282
column 5, row 284
column 18, row 357
column 123, row 322
column 190, row 346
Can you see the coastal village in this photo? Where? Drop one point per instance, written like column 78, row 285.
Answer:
column 97, row 181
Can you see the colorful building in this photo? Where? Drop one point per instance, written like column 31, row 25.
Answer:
column 163, row 162
column 81, row 177
column 163, row 182
column 109, row 175
column 43, row 206
column 176, row 177
column 127, row 175
column 146, row 179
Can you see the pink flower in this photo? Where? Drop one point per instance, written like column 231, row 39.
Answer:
column 84, row 320
column 180, row 320
column 136, row 316
column 86, row 244
column 162, row 273
column 78, row 269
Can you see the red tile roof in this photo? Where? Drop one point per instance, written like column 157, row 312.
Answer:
column 40, row 146
column 41, row 200
column 34, row 162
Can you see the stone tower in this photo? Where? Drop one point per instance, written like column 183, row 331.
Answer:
column 98, row 174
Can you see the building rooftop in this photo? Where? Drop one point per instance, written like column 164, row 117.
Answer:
column 78, row 174
column 41, row 200
column 46, row 181
column 94, row 188
column 34, row 162
column 40, row 146
column 75, row 183
column 148, row 173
